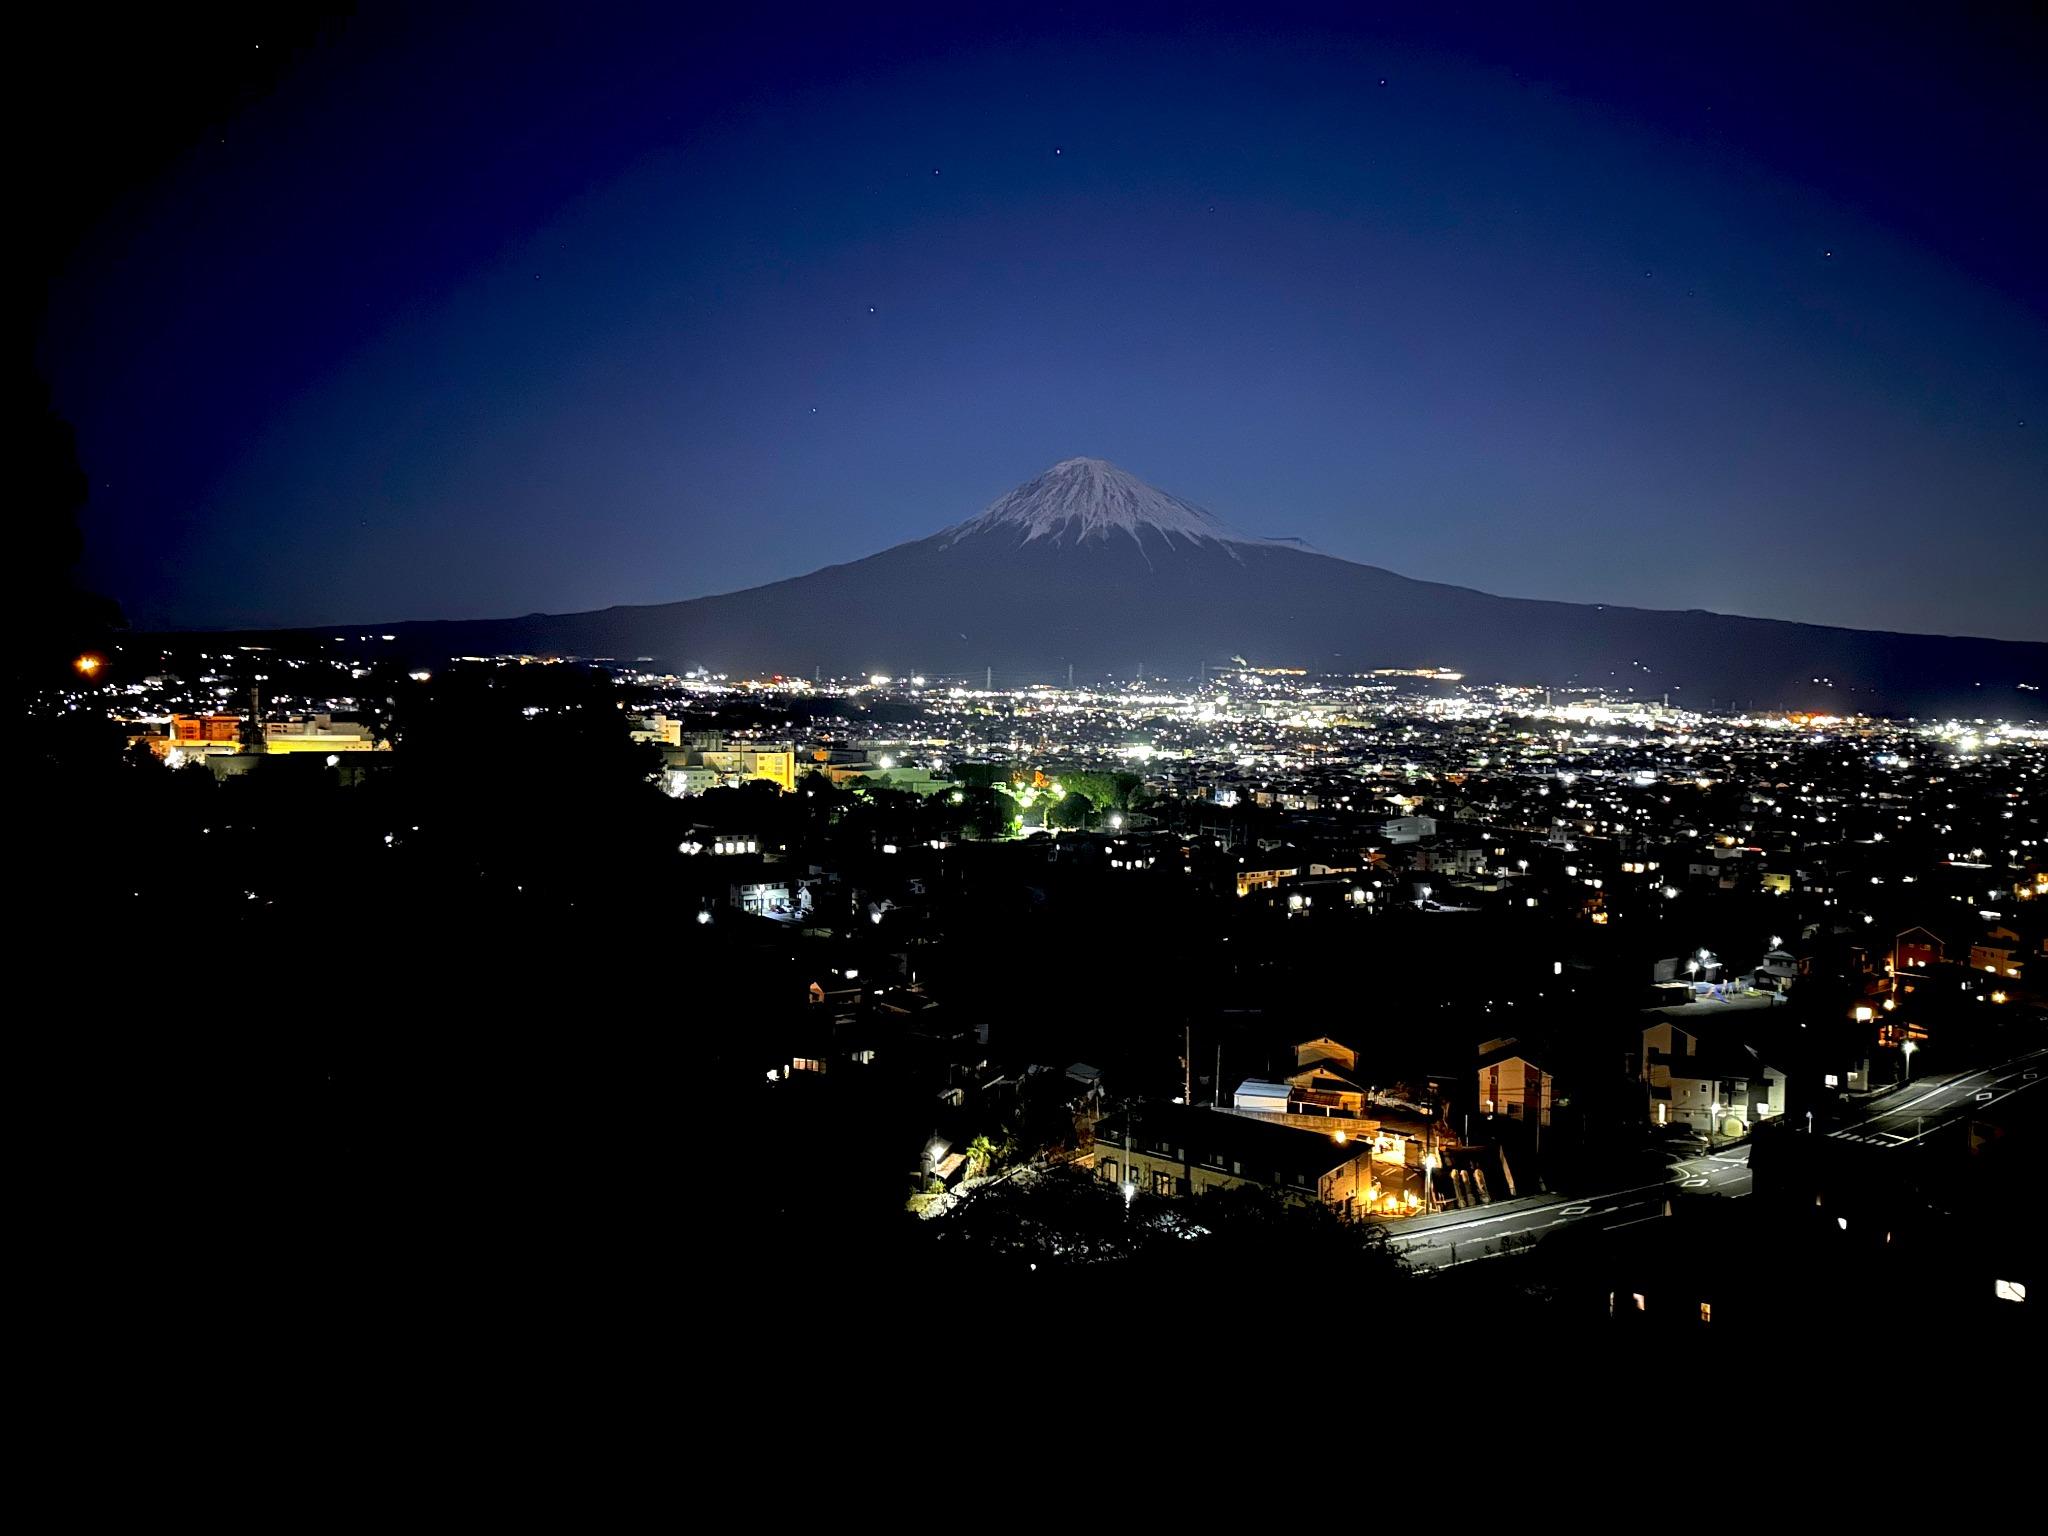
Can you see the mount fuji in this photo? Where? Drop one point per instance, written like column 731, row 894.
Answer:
column 1086, row 566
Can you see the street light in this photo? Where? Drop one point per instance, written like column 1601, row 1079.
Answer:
column 1907, row 1051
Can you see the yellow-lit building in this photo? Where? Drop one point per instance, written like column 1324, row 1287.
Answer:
column 317, row 733
column 1249, row 880
column 775, row 764
column 191, row 738
column 662, row 730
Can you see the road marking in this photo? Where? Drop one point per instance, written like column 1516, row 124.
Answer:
column 1654, row 1216
column 1934, row 1092
column 1693, row 1184
column 1575, row 1210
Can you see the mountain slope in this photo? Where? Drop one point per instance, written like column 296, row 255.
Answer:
column 1087, row 566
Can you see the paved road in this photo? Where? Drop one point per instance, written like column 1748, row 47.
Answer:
column 1920, row 1109
column 1900, row 1119
column 1462, row 1237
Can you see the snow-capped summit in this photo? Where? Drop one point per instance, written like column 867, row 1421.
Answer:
column 1080, row 501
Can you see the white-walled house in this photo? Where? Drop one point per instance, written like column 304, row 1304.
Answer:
column 1686, row 1077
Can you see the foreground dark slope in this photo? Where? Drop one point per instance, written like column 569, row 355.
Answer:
column 1029, row 609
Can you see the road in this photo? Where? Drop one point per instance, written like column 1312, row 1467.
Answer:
column 1900, row 1119
column 1918, row 1110
column 1462, row 1237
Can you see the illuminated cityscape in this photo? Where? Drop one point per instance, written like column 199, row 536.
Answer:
column 1459, row 963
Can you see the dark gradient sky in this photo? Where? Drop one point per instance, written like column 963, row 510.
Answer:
column 476, row 316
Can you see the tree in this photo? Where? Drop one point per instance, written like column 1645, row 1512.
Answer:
column 1115, row 790
column 983, row 775
column 981, row 1156
column 1072, row 810
column 987, row 813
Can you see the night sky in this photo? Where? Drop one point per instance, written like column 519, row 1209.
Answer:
column 470, row 316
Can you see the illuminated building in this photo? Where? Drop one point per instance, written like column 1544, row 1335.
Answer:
column 1707, row 1084
column 659, row 729
column 1250, row 880
column 192, row 737
column 689, row 779
column 775, row 764
column 1512, row 1084
column 1317, row 1098
column 317, row 733
column 692, row 769
column 207, row 732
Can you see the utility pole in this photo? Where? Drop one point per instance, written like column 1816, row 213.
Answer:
column 988, row 682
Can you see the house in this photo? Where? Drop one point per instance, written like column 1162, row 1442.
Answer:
column 1320, row 1086
column 1916, row 949
column 761, row 898
column 1407, row 829
column 2000, row 951
column 1467, row 862
column 1323, row 1048
column 1719, row 1085
column 1776, row 971
column 1177, row 1149
column 1319, row 1099
column 1512, row 1083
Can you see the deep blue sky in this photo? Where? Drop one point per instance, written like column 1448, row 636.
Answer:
column 476, row 316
